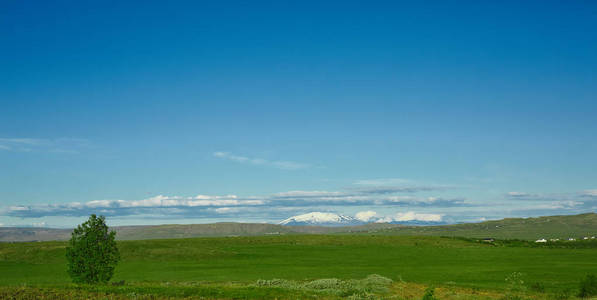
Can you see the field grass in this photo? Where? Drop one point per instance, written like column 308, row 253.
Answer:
column 232, row 266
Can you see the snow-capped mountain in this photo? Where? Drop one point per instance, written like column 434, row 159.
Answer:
column 322, row 219
column 332, row 219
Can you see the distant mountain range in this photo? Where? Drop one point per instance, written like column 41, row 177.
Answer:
column 321, row 219
column 332, row 219
column 576, row 226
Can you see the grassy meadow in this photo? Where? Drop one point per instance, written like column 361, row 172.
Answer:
column 236, row 267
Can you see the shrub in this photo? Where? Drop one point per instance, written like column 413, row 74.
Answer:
column 326, row 284
column 588, row 286
column 515, row 282
column 376, row 281
column 429, row 294
column 562, row 294
column 353, row 289
column 538, row 287
column 91, row 253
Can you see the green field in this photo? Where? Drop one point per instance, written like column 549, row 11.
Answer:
column 218, row 264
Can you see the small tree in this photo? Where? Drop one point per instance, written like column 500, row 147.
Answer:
column 92, row 253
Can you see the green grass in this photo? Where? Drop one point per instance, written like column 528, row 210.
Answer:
column 155, row 291
column 244, row 260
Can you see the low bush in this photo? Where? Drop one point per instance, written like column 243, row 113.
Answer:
column 537, row 287
column 562, row 294
column 429, row 294
column 588, row 286
column 515, row 282
column 353, row 288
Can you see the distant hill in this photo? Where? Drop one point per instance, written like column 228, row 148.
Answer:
column 142, row 232
column 26, row 234
column 562, row 227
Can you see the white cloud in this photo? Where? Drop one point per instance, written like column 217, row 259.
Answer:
column 535, row 197
column 365, row 216
column 197, row 201
column 60, row 145
column 518, row 194
column 209, row 197
column 160, row 204
column 279, row 164
column 210, row 205
column 224, row 210
column 357, row 197
column 23, row 141
column 558, row 205
column 237, row 158
column 169, row 201
column 385, row 220
column 401, row 198
column 18, row 208
column 412, row 216
column 308, row 194
column 394, row 185
column 102, row 203
column 222, row 202
column 201, row 204
column 384, row 181
column 590, row 193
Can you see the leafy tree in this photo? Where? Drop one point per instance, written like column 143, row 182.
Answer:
column 92, row 253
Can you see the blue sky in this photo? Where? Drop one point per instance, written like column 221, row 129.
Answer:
column 190, row 112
